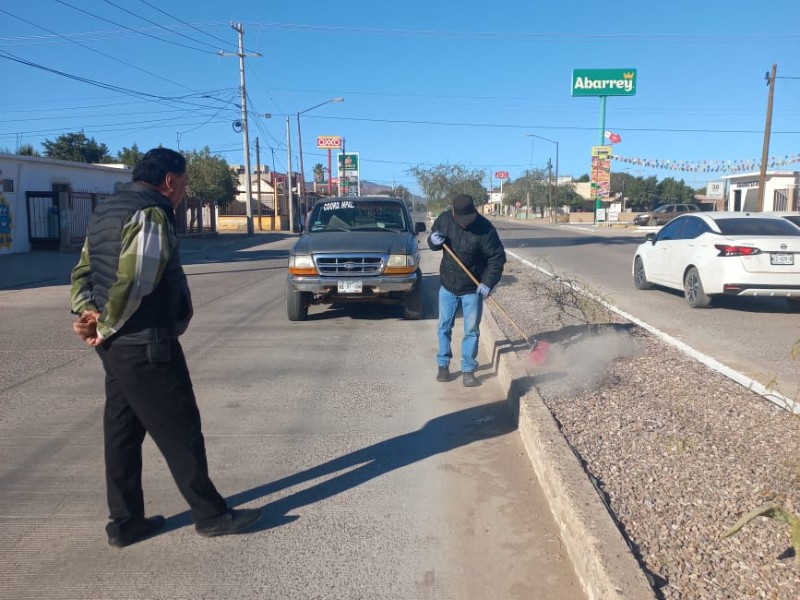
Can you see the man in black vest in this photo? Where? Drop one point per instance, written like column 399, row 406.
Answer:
column 133, row 300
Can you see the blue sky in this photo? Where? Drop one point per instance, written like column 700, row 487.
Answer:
column 424, row 83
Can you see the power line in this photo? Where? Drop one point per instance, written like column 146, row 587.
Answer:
column 127, row 64
column 649, row 38
column 155, row 37
column 103, row 85
column 163, row 12
column 145, row 19
column 556, row 127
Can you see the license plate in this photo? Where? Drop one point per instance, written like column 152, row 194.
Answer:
column 777, row 258
column 351, row 287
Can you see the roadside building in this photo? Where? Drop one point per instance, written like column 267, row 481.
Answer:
column 781, row 191
column 45, row 200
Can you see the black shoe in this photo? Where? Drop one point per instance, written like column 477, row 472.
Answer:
column 127, row 532
column 470, row 380
column 232, row 521
column 443, row 374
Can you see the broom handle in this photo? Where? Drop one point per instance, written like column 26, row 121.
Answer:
column 476, row 282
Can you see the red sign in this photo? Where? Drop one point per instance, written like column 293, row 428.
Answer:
column 332, row 142
column 501, row 174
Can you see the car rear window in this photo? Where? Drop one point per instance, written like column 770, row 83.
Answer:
column 745, row 226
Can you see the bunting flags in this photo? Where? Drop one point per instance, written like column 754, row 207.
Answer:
column 709, row 166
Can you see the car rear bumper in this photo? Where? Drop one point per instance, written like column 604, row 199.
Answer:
column 749, row 289
column 372, row 286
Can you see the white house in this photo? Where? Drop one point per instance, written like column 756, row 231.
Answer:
column 781, row 191
column 20, row 175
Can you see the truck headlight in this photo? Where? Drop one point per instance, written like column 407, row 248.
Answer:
column 302, row 264
column 401, row 264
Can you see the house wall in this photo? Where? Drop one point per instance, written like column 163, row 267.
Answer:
column 785, row 182
column 21, row 174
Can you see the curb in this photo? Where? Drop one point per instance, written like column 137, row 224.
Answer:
column 600, row 555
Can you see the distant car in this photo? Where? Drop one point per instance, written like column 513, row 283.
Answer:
column 664, row 214
column 361, row 249
column 710, row 254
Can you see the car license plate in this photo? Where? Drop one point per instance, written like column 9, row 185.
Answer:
column 777, row 258
column 351, row 287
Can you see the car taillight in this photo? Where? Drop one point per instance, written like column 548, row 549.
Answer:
column 726, row 250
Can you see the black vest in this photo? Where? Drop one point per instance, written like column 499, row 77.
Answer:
column 167, row 310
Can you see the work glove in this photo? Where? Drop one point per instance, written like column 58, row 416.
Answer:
column 484, row 290
column 437, row 238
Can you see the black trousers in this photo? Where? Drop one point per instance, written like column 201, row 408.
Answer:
column 149, row 390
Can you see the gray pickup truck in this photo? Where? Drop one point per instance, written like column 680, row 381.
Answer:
column 355, row 249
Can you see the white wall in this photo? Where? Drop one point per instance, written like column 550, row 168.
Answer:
column 36, row 174
column 747, row 184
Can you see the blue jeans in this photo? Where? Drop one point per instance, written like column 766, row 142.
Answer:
column 471, row 307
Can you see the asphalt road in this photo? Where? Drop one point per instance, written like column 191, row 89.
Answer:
column 377, row 481
column 752, row 336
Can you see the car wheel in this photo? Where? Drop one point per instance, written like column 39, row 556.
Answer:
column 693, row 289
column 639, row 275
column 413, row 302
column 296, row 305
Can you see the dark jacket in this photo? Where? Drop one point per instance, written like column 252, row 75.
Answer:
column 478, row 247
column 167, row 310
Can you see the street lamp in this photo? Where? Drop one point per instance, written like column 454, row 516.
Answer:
column 533, row 135
column 300, row 147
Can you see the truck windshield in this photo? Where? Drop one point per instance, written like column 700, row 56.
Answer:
column 357, row 215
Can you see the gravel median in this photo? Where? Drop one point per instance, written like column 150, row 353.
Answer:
column 677, row 451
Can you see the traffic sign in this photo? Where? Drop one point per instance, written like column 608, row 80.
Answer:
column 501, row 174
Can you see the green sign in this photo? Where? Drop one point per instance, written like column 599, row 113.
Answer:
column 348, row 162
column 604, row 82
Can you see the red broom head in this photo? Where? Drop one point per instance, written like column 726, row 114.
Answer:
column 539, row 353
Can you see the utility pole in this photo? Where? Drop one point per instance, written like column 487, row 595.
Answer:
column 258, row 184
column 289, row 176
column 762, row 179
column 549, row 189
column 248, row 186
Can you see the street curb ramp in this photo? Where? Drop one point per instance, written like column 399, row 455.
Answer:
column 604, row 563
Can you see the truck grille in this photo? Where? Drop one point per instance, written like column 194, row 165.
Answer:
column 350, row 265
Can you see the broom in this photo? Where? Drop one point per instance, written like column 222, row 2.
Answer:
column 538, row 349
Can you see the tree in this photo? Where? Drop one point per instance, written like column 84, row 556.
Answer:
column 129, row 156
column 530, row 187
column 671, row 191
column 27, row 150
column 76, row 147
column 643, row 193
column 442, row 182
column 210, row 177
column 583, row 178
column 319, row 173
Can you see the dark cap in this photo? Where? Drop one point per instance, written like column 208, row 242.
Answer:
column 464, row 211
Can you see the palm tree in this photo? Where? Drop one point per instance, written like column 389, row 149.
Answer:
column 319, row 173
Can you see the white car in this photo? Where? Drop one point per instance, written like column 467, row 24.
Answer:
column 711, row 254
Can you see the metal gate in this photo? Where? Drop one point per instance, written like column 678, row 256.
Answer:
column 44, row 221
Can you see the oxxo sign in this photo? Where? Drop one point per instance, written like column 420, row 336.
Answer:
column 331, row 142
column 501, row 174
column 604, row 82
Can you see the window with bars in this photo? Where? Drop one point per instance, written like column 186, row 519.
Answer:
column 8, row 186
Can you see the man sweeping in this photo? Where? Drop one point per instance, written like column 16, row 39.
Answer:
column 474, row 240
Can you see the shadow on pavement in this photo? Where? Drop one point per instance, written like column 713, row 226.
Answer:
column 437, row 436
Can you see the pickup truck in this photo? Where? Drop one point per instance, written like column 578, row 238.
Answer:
column 356, row 249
